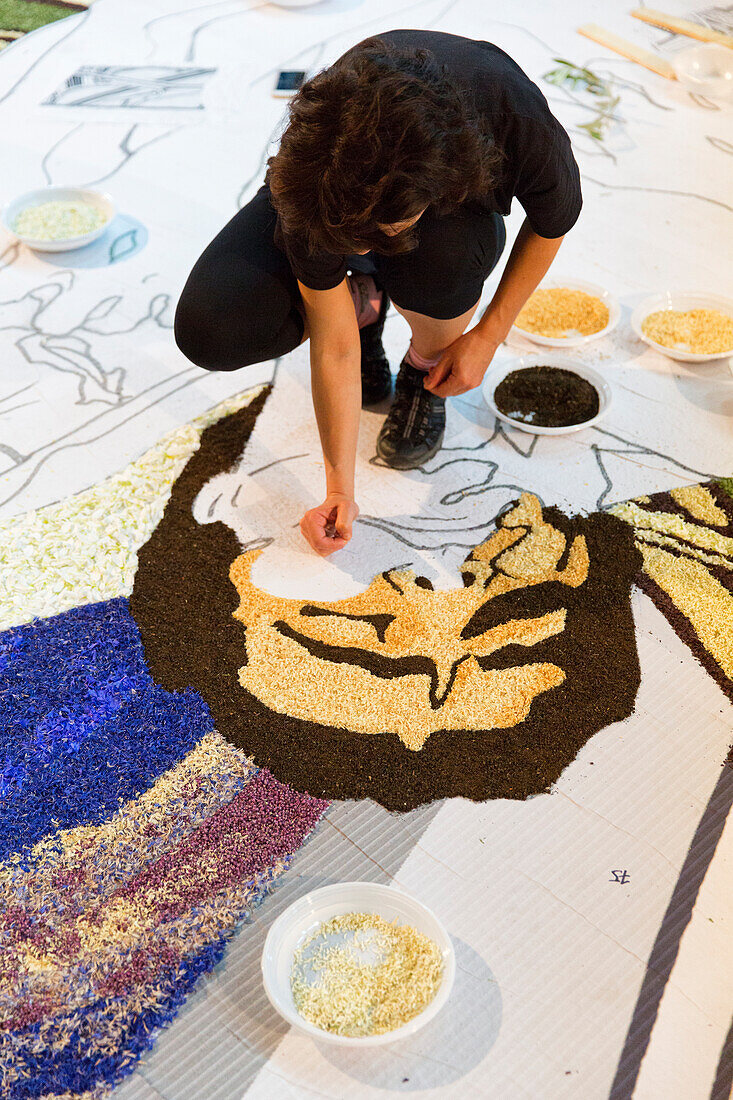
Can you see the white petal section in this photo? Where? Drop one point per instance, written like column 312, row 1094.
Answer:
column 84, row 549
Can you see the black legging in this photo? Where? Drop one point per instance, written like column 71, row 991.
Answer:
column 240, row 303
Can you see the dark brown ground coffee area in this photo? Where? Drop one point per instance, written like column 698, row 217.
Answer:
column 547, row 396
column 183, row 602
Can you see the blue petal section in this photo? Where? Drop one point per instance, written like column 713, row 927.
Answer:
column 83, row 726
column 65, row 1062
column 71, row 1069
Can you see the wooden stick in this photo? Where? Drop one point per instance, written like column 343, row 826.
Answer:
column 627, row 49
column 682, row 26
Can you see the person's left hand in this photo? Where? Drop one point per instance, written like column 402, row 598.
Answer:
column 462, row 365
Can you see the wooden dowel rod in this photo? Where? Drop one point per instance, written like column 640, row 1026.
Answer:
column 627, row 49
column 682, row 26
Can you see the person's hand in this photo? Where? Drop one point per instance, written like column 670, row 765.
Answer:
column 462, row 365
column 328, row 527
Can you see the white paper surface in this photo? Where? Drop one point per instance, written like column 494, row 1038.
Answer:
column 552, row 949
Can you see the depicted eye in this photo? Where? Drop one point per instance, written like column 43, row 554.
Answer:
column 338, row 628
column 547, row 599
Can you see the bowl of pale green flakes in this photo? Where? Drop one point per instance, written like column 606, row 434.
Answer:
column 58, row 219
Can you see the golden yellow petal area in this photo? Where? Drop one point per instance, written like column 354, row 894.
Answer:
column 535, row 557
column 393, row 659
column 290, row 680
column 699, row 502
column 703, row 600
column 494, row 568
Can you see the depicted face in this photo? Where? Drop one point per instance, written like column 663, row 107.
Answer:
column 442, row 653
column 411, row 655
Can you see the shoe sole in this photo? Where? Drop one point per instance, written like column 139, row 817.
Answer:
column 398, row 463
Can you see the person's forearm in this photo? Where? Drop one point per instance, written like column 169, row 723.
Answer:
column 527, row 265
column 336, row 388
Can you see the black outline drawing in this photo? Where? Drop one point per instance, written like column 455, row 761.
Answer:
column 70, row 351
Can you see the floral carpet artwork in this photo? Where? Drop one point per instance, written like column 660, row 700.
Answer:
column 134, row 839
column 402, row 693
column 161, row 762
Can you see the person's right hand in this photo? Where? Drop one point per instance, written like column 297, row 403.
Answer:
column 328, row 527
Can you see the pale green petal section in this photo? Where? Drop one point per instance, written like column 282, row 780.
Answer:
column 84, row 549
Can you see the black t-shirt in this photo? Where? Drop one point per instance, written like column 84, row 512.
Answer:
column 538, row 167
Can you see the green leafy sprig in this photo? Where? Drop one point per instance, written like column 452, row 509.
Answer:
column 575, row 76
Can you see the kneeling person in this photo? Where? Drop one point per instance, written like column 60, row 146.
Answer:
column 391, row 182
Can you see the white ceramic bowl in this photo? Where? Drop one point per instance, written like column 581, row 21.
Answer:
column 614, row 313
column 306, row 914
column 680, row 300
column 706, row 69
column 498, row 372
column 99, row 199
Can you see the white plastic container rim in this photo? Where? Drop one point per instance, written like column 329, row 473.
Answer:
column 706, row 67
column 497, row 373
column 305, row 915
column 614, row 315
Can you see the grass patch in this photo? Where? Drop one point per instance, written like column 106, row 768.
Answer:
column 29, row 15
column 727, row 484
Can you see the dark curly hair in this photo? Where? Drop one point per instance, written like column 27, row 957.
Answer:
column 374, row 139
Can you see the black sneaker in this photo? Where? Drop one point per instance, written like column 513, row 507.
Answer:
column 376, row 379
column 414, row 428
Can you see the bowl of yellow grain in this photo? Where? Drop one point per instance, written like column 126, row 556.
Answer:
column 58, row 219
column 567, row 313
column 358, row 964
column 691, row 327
